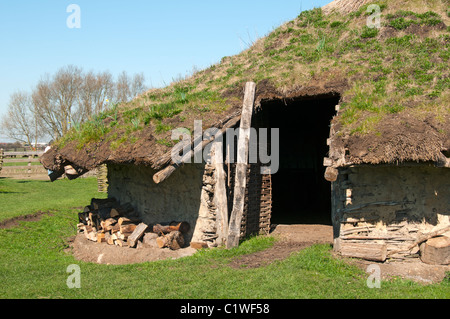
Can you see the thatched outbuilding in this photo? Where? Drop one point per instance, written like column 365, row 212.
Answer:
column 362, row 130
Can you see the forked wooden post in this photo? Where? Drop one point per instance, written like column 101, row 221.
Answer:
column 234, row 229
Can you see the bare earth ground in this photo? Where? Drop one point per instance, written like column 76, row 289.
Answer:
column 90, row 251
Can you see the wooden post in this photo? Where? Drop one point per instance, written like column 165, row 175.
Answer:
column 234, row 229
column 1, row 158
column 220, row 193
column 30, row 158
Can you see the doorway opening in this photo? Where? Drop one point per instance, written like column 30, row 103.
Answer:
column 300, row 193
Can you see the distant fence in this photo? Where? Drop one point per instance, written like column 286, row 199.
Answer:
column 22, row 165
column 23, row 154
column 26, row 165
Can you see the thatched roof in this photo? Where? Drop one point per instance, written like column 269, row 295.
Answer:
column 394, row 85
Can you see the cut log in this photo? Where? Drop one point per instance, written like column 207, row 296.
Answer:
column 80, row 227
column 163, row 174
column 198, row 245
column 149, row 240
column 331, row 174
column 367, row 251
column 436, row 251
column 136, row 235
column 422, row 239
column 101, row 238
column 128, row 228
column 173, row 240
column 83, row 217
column 234, row 229
column 123, row 236
column 94, row 220
column 87, row 209
column 69, row 170
column 108, row 224
column 125, row 221
column 86, row 230
column 96, row 203
column 114, row 229
column 182, row 227
column 90, row 233
column 109, row 239
column 120, row 242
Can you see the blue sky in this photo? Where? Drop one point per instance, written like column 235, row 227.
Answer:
column 162, row 39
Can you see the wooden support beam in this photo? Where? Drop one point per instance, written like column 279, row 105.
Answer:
column 220, row 193
column 367, row 251
column 234, row 228
column 166, row 172
column 163, row 174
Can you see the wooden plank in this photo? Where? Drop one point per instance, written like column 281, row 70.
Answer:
column 136, row 235
column 220, row 193
column 367, row 251
column 234, row 228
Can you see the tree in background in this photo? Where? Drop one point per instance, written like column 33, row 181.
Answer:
column 127, row 88
column 20, row 122
column 63, row 100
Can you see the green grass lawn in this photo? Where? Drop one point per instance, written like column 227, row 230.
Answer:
column 34, row 261
column 22, row 197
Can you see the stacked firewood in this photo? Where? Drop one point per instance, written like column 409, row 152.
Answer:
column 106, row 221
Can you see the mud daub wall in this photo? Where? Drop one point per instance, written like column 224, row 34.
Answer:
column 182, row 197
column 390, row 205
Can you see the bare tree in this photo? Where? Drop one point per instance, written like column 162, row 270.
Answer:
column 46, row 109
column 122, row 88
column 137, row 85
column 127, row 88
column 66, row 85
column 20, row 122
column 94, row 92
column 56, row 100
column 71, row 96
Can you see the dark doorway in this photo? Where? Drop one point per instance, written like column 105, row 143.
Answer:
column 300, row 194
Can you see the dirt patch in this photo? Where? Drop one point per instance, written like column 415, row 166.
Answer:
column 263, row 258
column 89, row 251
column 293, row 238
column 290, row 239
column 13, row 222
